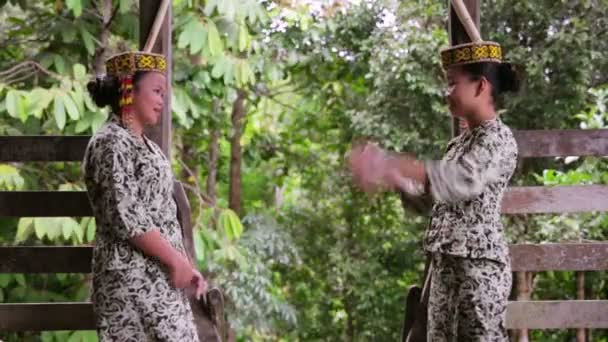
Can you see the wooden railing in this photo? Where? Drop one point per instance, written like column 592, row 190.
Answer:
column 575, row 257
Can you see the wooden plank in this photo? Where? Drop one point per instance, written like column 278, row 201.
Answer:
column 160, row 133
column 43, row 259
column 558, row 143
column 591, row 314
column 42, row 148
column 44, row 204
column 555, row 199
column 559, row 257
column 46, row 317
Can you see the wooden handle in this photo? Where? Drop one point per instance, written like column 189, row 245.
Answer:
column 158, row 22
column 466, row 20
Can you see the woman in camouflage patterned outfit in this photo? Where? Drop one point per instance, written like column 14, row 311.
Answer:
column 471, row 273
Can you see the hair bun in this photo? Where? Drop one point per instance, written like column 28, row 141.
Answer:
column 510, row 76
column 103, row 90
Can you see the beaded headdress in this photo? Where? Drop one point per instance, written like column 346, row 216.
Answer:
column 125, row 65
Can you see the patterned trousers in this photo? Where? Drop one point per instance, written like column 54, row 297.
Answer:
column 138, row 305
column 468, row 300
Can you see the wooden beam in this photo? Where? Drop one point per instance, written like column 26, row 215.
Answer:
column 184, row 217
column 161, row 133
column 42, row 148
column 558, row 143
column 39, row 259
column 44, row 204
column 557, row 199
column 559, row 257
column 592, row 314
column 458, row 35
column 46, row 317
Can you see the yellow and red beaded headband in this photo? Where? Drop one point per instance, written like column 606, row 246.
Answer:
column 124, row 66
column 471, row 53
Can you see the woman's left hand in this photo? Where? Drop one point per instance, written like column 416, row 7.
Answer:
column 199, row 283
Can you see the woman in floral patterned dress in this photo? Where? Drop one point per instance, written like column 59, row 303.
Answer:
column 471, row 273
column 140, row 267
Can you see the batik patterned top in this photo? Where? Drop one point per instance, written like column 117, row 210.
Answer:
column 130, row 186
column 467, row 186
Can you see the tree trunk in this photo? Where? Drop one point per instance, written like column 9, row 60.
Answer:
column 214, row 152
column 100, row 54
column 238, row 114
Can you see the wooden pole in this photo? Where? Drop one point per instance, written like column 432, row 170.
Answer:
column 158, row 21
column 457, row 34
column 580, row 294
column 523, row 291
column 149, row 10
column 470, row 26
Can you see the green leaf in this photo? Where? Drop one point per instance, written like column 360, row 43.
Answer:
column 125, row 6
column 238, row 73
column 20, row 278
column 80, row 72
column 59, row 111
column 5, row 279
column 231, row 224
column 77, row 229
column 23, row 113
column 39, row 228
column 210, row 6
column 40, row 99
column 214, row 40
column 244, row 40
column 67, row 228
column 84, row 123
column 91, row 227
column 75, row 6
column 12, row 103
column 98, row 120
column 59, row 64
column 199, row 245
column 89, row 41
column 78, row 97
column 71, row 107
column 219, row 67
column 25, row 227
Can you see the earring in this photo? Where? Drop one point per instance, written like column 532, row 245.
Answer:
column 127, row 121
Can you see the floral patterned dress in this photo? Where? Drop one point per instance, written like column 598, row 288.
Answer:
column 130, row 187
column 471, row 274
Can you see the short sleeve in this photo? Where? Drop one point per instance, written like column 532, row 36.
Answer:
column 131, row 218
column 465, row 177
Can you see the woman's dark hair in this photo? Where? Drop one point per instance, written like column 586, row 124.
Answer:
column 105, row 91
column 504, row 77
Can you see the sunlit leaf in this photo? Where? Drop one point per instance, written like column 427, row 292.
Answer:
column 75, row 6
column 59, row 110
column 71, row 107
column 25, row 228
column 12, row 103
column 214, row 40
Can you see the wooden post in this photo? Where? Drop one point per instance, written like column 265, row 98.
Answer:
column 458, row 35
column 580, row 294
column 523, row 291
column 161, row 133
